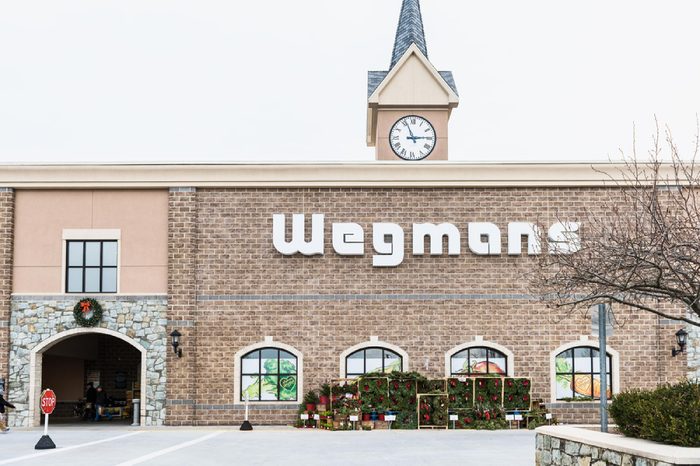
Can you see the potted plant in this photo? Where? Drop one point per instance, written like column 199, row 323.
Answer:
column 325, row 394
column 311, row 400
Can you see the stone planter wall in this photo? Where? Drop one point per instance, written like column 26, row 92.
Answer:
column 35, row 319
column 569, row 446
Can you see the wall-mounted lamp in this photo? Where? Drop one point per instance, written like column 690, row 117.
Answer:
column 682, row 340
column 175, row 335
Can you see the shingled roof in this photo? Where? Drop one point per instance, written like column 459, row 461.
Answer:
column 410, row 31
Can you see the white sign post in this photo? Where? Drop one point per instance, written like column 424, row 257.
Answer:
column 48, row 404
column 246, row 423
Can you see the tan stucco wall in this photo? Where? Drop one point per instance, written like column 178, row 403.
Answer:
column 41, row 216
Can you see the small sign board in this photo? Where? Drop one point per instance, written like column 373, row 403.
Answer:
column 454, row 417
column 304, row 417
column 390, row 417
column 517, row 417
column 510, row 417
column 548, row 416
column 354, row 418
column 48, row 401
column 317, row 417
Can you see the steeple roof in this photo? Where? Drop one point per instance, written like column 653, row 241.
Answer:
column 410, row 31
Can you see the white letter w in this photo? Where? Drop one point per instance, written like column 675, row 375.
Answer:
column 298, row 242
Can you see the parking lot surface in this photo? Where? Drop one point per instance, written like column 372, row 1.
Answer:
column 108, row 445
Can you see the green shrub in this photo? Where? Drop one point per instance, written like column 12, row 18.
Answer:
column 669, row 414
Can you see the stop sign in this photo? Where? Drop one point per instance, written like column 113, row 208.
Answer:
column 48, row 401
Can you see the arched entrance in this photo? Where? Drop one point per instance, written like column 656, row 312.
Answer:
column 69, row 360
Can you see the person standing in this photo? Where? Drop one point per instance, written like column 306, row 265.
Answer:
column 100, row 402
column 90, row 399
column 3, row 403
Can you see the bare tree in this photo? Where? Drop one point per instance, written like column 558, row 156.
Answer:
column 640, row 246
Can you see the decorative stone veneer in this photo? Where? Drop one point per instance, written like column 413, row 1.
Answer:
column 34, row 319
column 580, row 447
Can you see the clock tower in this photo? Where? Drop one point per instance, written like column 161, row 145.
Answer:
column 409, row 105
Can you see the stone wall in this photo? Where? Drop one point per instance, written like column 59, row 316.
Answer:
column 578, row 447
column 37, row 319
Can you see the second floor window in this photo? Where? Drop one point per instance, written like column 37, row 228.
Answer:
column 91, row 266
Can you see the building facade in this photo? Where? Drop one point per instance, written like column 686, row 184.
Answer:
column 282, row 277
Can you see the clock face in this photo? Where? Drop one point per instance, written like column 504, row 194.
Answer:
column 412, row 138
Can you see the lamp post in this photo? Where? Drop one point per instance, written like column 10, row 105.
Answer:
column 682, row 341
column 175, row 336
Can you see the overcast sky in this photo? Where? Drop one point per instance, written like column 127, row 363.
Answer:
column 206, row 80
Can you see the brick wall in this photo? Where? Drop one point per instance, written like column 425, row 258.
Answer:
column 246, row 290
column 182, row 304
column 7, row 208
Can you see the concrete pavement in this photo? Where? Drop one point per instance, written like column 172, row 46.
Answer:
column 125, row 446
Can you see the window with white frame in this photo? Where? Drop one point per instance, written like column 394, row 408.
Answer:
column 91, row 266
column 269, row 374
column 478, row 360
column 372, row 360
column 577, row 374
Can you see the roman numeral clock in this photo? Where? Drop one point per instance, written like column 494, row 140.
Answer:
column 412, row 138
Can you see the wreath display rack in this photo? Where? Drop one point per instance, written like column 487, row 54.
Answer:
column 83, row 308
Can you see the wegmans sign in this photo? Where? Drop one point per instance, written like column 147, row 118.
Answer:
column 483, row 238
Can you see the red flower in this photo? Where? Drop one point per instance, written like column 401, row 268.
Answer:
column 408, row 385
column 396, row 385
column 480, row 398
column 426, row 417
column 468, row 420
column 526, row 397
column 510, row 397
column 509, row 382
column 452, row 398
column 494, row 398
column 496, row 382
column 481, row 383
column 381, row 399
column 453, row 383
column 366, row 388
column 487, row 416
column 379, row 382
column 478, row 415
column 526, row 383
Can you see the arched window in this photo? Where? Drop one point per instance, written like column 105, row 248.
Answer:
column 371, row 360
column 269, row 374
column 578, row 373
column 478, row 360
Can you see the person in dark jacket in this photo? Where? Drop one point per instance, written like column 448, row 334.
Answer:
column 100, row 402
column 3, row 403
column 90, row 398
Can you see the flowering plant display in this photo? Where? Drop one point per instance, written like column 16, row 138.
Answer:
column 432, row 410
column 488, row 391
column 460, row 393
column 374, row 393
column 516, row 394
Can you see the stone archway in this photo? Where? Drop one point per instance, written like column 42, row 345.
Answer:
column 35, row 367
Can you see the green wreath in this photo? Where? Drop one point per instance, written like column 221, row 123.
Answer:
column 84, row 307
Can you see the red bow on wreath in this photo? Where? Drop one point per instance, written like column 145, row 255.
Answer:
column 85, row 306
